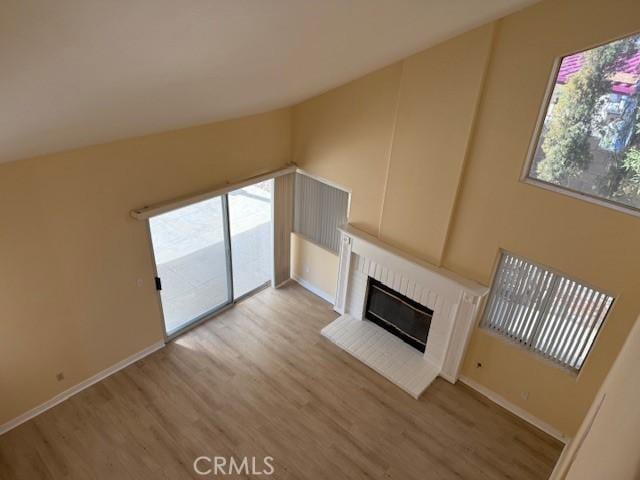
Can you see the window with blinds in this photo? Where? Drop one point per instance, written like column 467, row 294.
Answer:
column 319, row 210
column 545, row 311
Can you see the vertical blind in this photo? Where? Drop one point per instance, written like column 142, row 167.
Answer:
column 283, row 187
column 549, row 313
column 319, row 210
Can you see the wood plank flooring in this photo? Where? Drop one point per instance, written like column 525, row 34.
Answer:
column 257, row 381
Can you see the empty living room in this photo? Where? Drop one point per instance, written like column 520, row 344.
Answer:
column 337, row 239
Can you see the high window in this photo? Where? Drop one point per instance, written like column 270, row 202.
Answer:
column 545, row 311
column 588, row 142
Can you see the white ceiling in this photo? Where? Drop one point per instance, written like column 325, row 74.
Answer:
column 80, row 72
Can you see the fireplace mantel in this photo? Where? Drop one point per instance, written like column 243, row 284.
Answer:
column 454, row 300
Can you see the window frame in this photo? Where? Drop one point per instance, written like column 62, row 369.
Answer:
column 575, row 373
column 537, row 131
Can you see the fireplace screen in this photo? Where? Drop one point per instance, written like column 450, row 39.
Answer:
column 398, row 314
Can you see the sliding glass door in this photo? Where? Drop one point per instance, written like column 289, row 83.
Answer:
column 211, row 253
column 191, row 250
column 251, row 234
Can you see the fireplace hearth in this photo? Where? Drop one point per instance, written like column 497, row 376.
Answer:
column 406, row 319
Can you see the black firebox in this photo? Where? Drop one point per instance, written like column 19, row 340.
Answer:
column 398, row 314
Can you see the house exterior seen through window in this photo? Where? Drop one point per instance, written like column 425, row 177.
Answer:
column 589, row 140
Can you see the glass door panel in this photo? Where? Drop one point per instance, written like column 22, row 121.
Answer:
column 190, row 245
column 251, row 236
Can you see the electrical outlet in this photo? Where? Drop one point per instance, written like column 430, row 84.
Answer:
column 306, row 269
column 524, row 395
column 60, row 376
column 140, row 282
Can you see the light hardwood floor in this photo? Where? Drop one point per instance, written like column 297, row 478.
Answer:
column 259, row 380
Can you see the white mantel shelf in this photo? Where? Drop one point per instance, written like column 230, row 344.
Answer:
column 454, row 300
column 469, row 286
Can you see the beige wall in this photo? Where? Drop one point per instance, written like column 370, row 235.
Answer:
column 595, row 244
column 71, row 254
column 345, row 136
column 314, row 265
column 368, row 136
column 450, row 132
column 439, row 93
column 606, row 445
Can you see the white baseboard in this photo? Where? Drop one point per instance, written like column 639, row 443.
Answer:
column 282, row 284
column 517, row 411
column 61, row 397
column 449, row 378
column 313, row 289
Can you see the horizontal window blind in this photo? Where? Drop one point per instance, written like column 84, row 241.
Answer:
column 319, row 210
column 549, row 313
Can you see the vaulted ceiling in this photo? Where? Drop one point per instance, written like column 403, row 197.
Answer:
column 80, row 72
